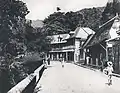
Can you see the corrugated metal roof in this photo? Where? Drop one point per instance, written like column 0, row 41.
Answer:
column 87, row 41
column 102, row 34
column 82, row 32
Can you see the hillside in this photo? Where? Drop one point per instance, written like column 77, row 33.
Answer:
column 60, row 22
column 92, row 17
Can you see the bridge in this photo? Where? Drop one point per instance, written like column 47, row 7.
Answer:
column 70, row 79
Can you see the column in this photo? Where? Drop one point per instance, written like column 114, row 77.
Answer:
column 49, row 55
column 84, row 51
column 75, row 56
column 57, row 56
column 96, row 61
column 52, row 56
column 91, row 61
column 66, row 56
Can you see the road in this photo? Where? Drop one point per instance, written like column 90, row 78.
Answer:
column 75, row 79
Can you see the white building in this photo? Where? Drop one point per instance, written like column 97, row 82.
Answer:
column 68, row 46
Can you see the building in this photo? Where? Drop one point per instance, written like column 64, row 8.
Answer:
column 68, row 45
column 114, row 51
column 103, row 45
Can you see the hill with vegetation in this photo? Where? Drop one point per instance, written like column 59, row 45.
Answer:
column 61, row 22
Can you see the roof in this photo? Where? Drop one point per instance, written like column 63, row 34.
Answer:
column 87, row 40
column 82, row 32
column 54, row 38
column 102, row 33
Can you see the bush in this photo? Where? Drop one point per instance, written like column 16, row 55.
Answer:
column 12, row 74
column 32, row 57
column 32, row 61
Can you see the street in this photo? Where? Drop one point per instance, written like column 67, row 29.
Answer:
column 75, row 79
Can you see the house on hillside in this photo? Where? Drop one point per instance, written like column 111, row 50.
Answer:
column 68, row 45
column 99, row 46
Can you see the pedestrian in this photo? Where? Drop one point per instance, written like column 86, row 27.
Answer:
column 87, row 59
column 45, row 63
column 62, row 62
column 101, row 66
column 109, row 72
column 48, row 61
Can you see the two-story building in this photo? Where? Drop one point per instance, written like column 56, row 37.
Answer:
column 104, row 45
column 68, row 45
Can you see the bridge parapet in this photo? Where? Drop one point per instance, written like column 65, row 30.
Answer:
column 28, row 84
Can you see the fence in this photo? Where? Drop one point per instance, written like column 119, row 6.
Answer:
column 29, row 83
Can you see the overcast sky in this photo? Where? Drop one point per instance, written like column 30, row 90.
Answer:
column 40, row 9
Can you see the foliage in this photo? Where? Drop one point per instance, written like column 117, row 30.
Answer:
column 36, row 39
column 12, row 20
column 60, row 22
column 12, row 27
column 31, row 61
column 31, row 57
column 91, row 17
column 110, row 10
column 18, row 72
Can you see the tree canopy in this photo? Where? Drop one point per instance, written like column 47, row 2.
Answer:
column 36, row 39
column 61, row 22
column 12, row 28
column 110, row 10
column 12, row 25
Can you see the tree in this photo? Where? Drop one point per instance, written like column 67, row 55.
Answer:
column 111, row 9
column 12, row 27
column 54, row 24
column 60, row 22
column 36, row 39
column 12, row 20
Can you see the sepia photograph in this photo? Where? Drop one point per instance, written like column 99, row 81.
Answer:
column 59, row 46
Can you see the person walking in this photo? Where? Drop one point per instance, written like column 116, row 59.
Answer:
column 45, row 63
column 48, row 61
column 109, row 72
column 63, row 62
column 87, row 60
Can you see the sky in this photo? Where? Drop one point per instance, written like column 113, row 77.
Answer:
column 40, row 9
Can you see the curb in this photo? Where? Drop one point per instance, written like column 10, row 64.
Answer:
column 116, row 75
column 85, row 67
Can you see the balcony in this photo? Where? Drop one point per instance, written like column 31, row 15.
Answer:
column 63, row 48
column 69, row 47
column 56, row 49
